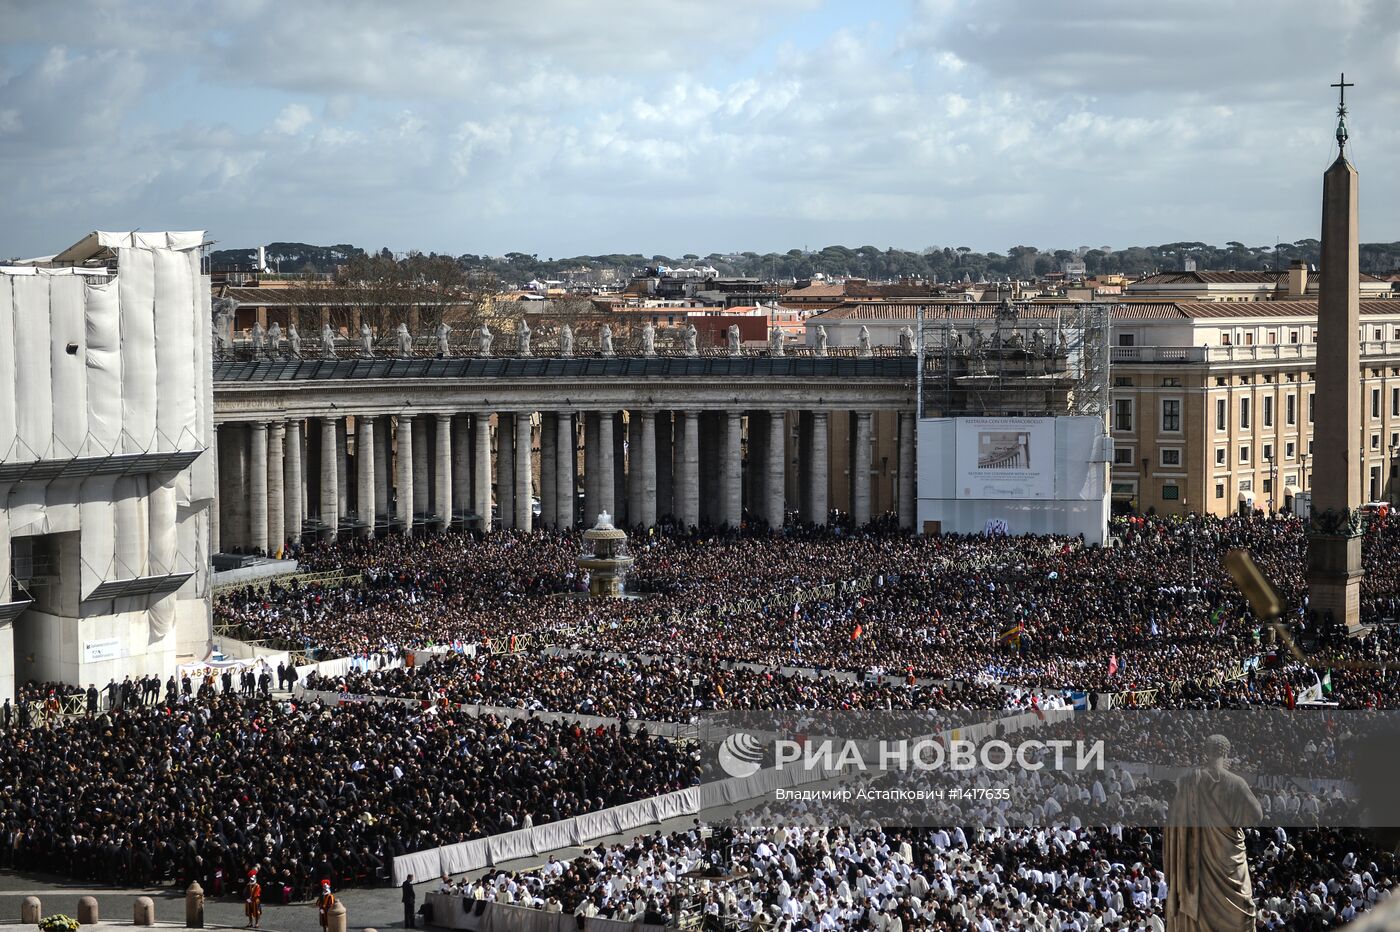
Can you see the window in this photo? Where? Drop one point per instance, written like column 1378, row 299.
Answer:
column 1171, row 415
column 1171, row 457
column 1244, row 414
column 1246, row 485
column 1220, row 456
column 1224, row 339
column 1249, row 338
column 1171, row 492
column 1395, row 402
column 1268, row 485
column 1122, row 456
column 1378, row 334
column 1288, row 450
column 1395, row 440
column 1220, row 490
column 1290, row 412
column 1220, row 381
column 1125, row 339
column 1123, row 414
column 1292, row 336
column 1310, row 407
column 1171, row 381
column 1221, row 413
column 1273, row 336
column 1244, row 454
column 1268, row 452
column 1375, row 441
column 1268, row 410
column 1375, row 403
column 1123, row 381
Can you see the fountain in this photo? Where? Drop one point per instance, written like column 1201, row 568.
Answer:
column 605, row 558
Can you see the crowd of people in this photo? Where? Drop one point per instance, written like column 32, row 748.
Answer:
column 208, row 780
column 795, row 878
column 211, row 787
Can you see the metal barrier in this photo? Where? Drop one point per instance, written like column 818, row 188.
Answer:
column 324, row 578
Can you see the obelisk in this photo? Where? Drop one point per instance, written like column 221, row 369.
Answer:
column 1334, row 531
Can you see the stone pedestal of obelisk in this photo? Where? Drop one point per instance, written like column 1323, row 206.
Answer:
column 1334, row 541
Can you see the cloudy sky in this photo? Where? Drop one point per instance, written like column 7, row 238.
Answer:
column 562, row 127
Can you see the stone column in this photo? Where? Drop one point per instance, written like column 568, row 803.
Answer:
column 330, row 486
column 606, row 487
column 292, row 481
column 774, row 474
column 549, row 468
column 619, row 454
column 820, row 467
column 461, row 463
column 422, row 478
column 860, row 467
column 505, row 469
column 908, row 496
column 403, row 474
column 524, row 440
column 442, row 478
column 731, row 468
column 804, row 465
column 233, row 472
column 481, row 469
column 687, row 484
column 366, row 452
column 634, row 472
column 257, row 487
column 566, row 455
column 665, row 466
column 592, row 502
column 647, row 472
column 384, row 480
column 276, row 494
column 342, row 479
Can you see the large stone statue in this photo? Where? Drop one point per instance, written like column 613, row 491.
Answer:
column 1038, row 341
column 259, row 338
column 1208, row 886
column 863, row 342
column 566, row 340
column 274, row 339
column 605, row 340
column 821, row 339
column 648, row 340
column 483, row 339
column 405, row 341
column 522, row 337
column 327, row 341
column 906, row 341
column 224, row 309
column 692, row 340
column 366, row 341
column 294, row 340
column 444, row 348
column 735, row 347
column 775, row 342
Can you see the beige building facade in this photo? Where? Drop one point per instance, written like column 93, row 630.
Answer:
column 1212, row 404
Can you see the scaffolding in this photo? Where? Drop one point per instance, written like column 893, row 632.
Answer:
column 1014, row 359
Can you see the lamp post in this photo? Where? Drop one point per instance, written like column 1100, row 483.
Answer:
column 1390, row 479
column 1305, row 457
column 1273, row 470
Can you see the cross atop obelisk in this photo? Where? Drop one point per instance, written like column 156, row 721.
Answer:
column 1341, row 87
column 1334, row 536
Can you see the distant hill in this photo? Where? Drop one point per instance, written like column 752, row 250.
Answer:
column 286, row 257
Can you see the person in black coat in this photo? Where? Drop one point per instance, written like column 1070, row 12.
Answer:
column 410, row 897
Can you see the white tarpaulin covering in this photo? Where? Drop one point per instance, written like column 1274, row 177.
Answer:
column 8, row 384
column 139, row 375
column 467, row 856
column 593, row 825
column 103, row 357
column 555, row 835
column 66, row 332
column 33, row 378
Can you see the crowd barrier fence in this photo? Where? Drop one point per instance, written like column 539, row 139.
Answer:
column 451, row 911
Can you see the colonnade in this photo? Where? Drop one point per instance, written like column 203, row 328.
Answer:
column 371, row 473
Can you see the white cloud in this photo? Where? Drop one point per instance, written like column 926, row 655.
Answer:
column 489, row 127
column 293, row 119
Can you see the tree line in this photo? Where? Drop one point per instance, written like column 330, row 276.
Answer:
column 940, row 263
